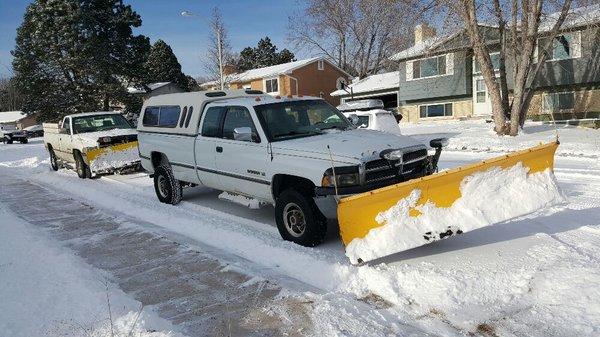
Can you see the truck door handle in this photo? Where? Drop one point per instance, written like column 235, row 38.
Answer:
column 219, row 149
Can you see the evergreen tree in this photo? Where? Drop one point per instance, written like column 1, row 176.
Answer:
column 76, row 55
column 162, row 66
column 263, row 55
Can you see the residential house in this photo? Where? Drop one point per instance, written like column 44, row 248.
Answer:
column 381, row 86
column 17, row 118
column 155, row 89
column 438, row 77
column 310, row 77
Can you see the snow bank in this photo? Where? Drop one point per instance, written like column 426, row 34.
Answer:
column 488, row 197
column 114, row 159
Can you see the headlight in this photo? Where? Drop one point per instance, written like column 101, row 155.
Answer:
column 343, row 175
column 104, row 140
column 391, row 154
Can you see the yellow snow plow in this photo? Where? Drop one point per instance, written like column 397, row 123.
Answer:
column 120, row 156
column 357, row 214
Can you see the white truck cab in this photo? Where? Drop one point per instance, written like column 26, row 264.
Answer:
column 371, row 115
column 297, row 153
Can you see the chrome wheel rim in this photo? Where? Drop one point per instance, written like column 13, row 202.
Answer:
column 162, row 186
column 294, row 219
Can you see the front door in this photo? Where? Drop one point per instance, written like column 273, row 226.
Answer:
column 482, row 105
column 241, row 162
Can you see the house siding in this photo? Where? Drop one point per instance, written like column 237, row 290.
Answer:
column 314, row 82
column 457, row 84
column 582, row 70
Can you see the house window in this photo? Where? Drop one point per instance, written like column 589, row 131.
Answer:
column 564, row 46
column 435, row 110
column 320, row 65
column 559, row 101
column 495, row 63
column 271, row 85
column 433, row 66
column 480, row 91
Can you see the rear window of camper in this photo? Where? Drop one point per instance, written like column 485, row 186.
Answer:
column 162, row 116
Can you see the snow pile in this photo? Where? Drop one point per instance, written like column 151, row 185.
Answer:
column 114, row 159
column 488, row 197
column 241, row 199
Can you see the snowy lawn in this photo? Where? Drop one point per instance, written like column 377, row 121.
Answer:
column 537, row 275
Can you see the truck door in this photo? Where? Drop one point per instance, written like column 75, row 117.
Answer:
column 241, row 159
column 205, row 148
column 64, row 140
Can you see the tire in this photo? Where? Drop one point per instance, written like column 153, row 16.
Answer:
column 167, row 188
column 82, row 169
column 9, row 140
column 53, row 160
column 24, row 141
column 299, row 220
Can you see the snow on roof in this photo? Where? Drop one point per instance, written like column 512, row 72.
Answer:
column 577, row 17
column 270, row 71
column 95, row 113
column 372, row 83
column 423, row 47
column 151, row 86
column 11, row 116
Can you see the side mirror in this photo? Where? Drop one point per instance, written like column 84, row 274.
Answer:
column 243, row 133
column 438, row 143
column 353, row 119
column 64, row 131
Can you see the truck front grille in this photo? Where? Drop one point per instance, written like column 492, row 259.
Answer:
column 382, row 170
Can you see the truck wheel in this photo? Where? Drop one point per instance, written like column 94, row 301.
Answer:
column 83, row 170
column 9, row 140
column 53, row 160
column 299, row 220
column 168, row 189
column 24, row 141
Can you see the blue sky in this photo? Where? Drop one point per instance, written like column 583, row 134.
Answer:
column 247, row 21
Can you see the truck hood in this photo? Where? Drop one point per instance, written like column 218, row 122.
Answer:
column 90, row 139
column 346, row 146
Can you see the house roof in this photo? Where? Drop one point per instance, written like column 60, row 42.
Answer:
column 577, row 17
column 11, row 116
column 372, row 83
column 151, row 86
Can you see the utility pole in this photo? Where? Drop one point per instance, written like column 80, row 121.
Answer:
column 219, row 46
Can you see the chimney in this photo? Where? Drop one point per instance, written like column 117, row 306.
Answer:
column 423, row 32
column 229, row 69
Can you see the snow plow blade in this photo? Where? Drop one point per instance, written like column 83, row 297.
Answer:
column 113, row 158
column 357, row 214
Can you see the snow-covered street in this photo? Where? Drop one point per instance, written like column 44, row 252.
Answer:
column 537, row 275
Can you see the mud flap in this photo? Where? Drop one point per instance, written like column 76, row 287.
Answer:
column 112, row 158
column 357, row 214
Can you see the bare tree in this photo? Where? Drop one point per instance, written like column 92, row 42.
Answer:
column 219, row 48
column 520, row 25
column 10, row 97
column 357, row 35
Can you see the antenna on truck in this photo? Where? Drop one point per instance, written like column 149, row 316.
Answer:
column 334, row 177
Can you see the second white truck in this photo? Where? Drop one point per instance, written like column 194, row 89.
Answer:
column 92, row 143
column 298, row 153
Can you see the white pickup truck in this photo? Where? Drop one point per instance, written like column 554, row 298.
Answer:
column 95, row 142
column 298, row 153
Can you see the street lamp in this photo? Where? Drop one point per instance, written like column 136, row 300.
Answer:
column 219, row 49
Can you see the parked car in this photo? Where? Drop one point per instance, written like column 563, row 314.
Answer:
column 9, row 134
column 296, row 153
column 371, row 115
column 95, row 142
column 35, row 131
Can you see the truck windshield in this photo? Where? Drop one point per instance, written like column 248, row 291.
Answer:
column 95, row 123
column 294, row 119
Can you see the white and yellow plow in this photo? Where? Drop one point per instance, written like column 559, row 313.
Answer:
column 360, row 216
column 115, row 158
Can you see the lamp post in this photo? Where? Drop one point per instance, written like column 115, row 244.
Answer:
column 219, row 48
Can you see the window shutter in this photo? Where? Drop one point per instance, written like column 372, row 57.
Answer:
column 576, row 44
column 450, row 64
column 409, row 70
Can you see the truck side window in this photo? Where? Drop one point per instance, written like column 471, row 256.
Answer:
column 151, row 116
column 66, row 126
column 169, row 115
column 212, row 121
column 236, row 117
